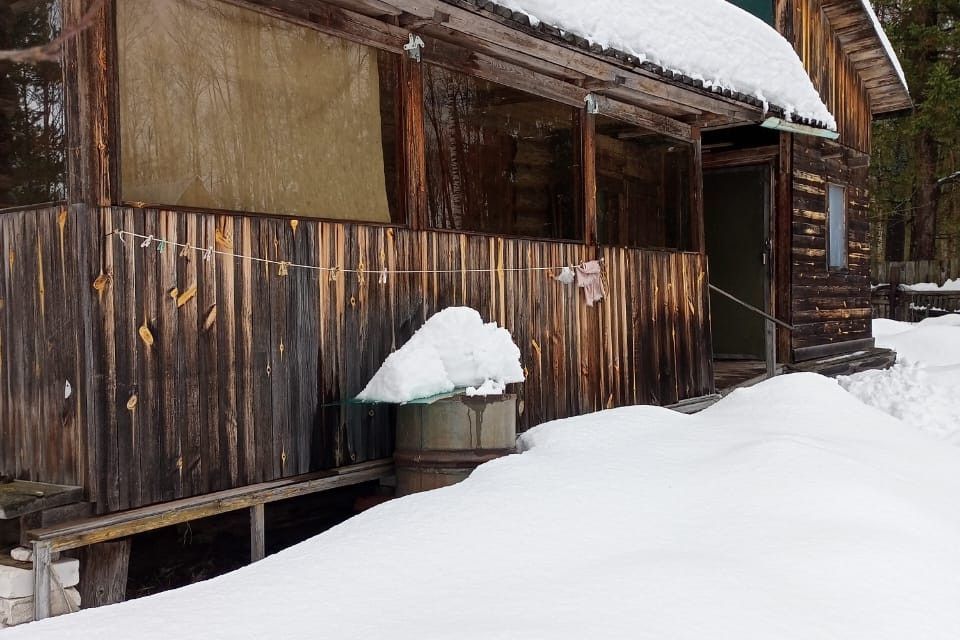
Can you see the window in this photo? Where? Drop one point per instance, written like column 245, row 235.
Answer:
column 763, row 9
column 837, row 220
column 226, row 108
column 643, row 187
column 32, row 158
column 500, row 160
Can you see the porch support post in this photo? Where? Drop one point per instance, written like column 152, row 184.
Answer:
column 41, row 580
column 697, row 239
column 414, row 145
column 588, row 138
column 257, row 538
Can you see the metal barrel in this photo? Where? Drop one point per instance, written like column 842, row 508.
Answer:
column 439, row 444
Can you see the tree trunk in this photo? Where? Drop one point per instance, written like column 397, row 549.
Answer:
column 924, row 231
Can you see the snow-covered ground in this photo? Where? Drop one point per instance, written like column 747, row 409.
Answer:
column 787, row 510
column 923, row 389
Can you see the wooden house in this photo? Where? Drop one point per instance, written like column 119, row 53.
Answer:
column 359, row 136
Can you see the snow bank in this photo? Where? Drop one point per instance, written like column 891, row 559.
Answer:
column 710, row 40
column 788, row 510
column 453, row 349
column 923, row 388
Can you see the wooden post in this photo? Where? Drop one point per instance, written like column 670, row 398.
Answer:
column 103, row 570
column 895, row 297
column 41, row 580
column 698, row 241
column 588, row 137
column 91, row 105
column 414, row 143
column 257, row 539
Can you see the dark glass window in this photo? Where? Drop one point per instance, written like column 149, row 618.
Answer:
column 32, row 160
column 643, row 187
column 223, row 107
column 500, row 160
column 763, row 9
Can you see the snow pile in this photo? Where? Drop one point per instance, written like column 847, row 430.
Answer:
column 453, row 349
column 949, row 285
column 709, row 40
column 923, row 389
column 788, row 510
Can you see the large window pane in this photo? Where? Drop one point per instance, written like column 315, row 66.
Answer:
column 643, row 187
column 227, row 108
column 32, row 160
column 499, row 160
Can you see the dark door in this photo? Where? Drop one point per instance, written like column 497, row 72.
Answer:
column 736, row 221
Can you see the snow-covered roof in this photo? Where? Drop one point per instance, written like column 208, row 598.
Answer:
column 711, row 41
column 891, row 54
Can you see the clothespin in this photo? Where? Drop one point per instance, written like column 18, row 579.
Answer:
column 333, row 274
column 146, row 243
column 282, row 271
column 383, row 276
column 161, row 246
column 185, row 251
column 208, row 253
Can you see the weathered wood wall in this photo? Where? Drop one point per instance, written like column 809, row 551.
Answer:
column 829, row 305
column 204, row 375
column 40, row 416
column 833, row 73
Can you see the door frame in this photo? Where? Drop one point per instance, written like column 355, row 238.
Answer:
column 767, row 158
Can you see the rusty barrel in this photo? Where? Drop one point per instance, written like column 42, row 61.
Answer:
column 439, row 444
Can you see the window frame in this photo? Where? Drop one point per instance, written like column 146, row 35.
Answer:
column 829, row 232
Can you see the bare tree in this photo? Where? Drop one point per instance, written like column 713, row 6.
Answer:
column 50, row 52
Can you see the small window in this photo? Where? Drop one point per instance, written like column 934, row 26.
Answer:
column 32, row 158
column 643, row 187
column 837, row 215
column 226, row 108
column 500, row 160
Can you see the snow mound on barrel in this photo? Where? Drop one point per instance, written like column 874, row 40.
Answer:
column 453, row 349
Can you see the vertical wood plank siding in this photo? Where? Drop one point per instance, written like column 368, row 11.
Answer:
column 209, row 375
column 829, row 305
column 833, row 74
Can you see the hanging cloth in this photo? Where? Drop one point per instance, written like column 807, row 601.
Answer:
column 590, row 279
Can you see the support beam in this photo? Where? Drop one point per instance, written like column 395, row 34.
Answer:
column 639, row 116
column 414, row 140
column 42, row 553
column 257, row 537
column 104, row 569
column 588, row 137
column 698, row 241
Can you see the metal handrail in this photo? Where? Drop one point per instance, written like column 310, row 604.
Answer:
column 788, row 327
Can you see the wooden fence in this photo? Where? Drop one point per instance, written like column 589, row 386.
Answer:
column 912, row 306
column 936, row 271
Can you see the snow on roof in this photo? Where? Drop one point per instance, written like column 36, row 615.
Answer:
column 708, row 40
column 886, row 42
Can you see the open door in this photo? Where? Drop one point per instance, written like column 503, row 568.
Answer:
column 737, row 205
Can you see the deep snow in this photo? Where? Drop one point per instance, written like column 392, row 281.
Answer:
column 722, row 44
column 787, row 510
column 923, row 389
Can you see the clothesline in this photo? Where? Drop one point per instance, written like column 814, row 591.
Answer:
column 209, row 252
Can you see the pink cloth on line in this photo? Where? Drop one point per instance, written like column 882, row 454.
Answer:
column 590, row 279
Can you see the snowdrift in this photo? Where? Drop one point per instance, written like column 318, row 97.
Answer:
column 788, row 510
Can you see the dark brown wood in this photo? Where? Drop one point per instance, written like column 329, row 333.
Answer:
column 415, row 167
column 257, row 540
column 641, row 117
column 91, row 104
column 103, row 573
column 698, row 240
column 589, row 180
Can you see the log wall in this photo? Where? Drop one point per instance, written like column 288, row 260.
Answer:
column 828, row 305
column 205, row 375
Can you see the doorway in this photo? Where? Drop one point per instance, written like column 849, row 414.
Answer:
column 737, row 206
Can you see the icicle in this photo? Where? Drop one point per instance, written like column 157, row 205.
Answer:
column 146, row 243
